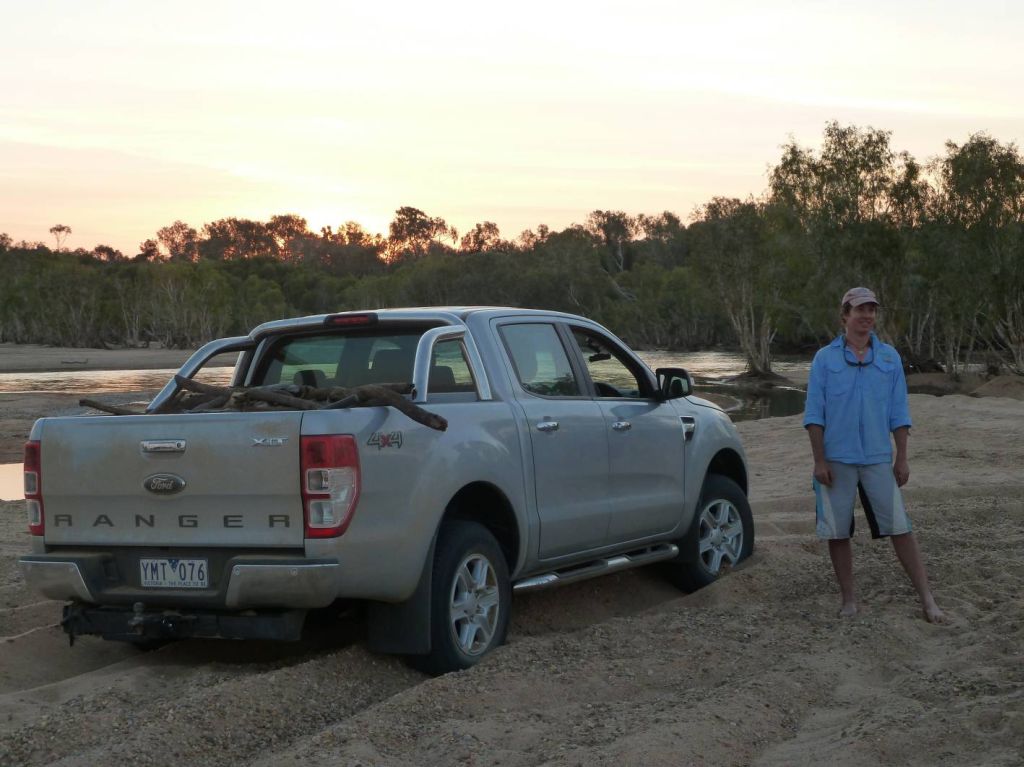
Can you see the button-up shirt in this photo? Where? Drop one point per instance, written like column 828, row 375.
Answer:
column 857, row 403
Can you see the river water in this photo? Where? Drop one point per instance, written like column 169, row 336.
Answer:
column 709, row 369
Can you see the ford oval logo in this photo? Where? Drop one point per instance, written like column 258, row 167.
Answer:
column 164, row 484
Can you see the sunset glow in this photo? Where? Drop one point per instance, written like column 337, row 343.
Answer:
column 119, row 118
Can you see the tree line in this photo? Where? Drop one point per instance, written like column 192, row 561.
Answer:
column 940, row 242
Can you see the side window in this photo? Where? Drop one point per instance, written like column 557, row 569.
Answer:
column 449, row 370
column 220, row 369
column 610, row 374
column 541, row 364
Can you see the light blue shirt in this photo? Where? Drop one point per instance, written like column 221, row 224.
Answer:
column 858, row 404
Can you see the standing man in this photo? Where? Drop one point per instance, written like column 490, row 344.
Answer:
column 856, row 397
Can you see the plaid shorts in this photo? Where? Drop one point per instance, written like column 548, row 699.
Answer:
column 879, row 496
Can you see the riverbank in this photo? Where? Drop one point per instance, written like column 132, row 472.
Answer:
column 936, row 384
column 18, row 411
column 33, row 358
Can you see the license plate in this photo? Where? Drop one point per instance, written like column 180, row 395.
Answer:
column 174, row 573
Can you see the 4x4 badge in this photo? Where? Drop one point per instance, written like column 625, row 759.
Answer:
column 381, row 439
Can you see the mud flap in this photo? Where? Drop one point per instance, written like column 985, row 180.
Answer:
column 404, row 628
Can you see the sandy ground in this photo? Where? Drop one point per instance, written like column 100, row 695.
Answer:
column 19, row 358
column 623, row 670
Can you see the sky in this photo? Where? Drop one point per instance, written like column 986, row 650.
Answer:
column 119, row 118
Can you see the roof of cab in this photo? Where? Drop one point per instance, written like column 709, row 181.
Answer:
column 450, row 315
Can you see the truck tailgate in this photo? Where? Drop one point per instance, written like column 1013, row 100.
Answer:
column 216, row 479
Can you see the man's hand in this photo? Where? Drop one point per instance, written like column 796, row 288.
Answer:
column 823, row 473
column 901, row 470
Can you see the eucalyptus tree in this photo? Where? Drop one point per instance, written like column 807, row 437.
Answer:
column 107, row 253
column 732, row 250
column 285, row 230
column 853, row 204
column 257, row 300
column 414, row 234
column 977, row 217
column 616, row 231
column 149, row 250
column 236, row 238
column 483, row 236
column 60, row 233
column 349, row 251
column 674, row 309
column 131, row 289
column 663, row 240
column 529, row 238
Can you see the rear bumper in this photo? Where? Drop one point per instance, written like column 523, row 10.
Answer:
column 241, row 582
column 139, row 625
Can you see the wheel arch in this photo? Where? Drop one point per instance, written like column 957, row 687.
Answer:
column 486, row 504
column 728, row 463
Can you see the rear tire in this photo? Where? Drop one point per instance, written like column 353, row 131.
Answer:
column 470, row 598
column 720, row 537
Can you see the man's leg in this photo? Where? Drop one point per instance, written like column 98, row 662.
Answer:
column 883, row 504
column 834, row 510
column 910, row 557
column 841, row 552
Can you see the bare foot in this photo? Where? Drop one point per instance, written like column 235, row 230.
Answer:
column 933, row 614
column 849, row 609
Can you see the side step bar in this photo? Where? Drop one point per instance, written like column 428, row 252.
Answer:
column 598, row 567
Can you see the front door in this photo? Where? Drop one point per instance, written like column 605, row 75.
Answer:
column 569, row 440
column 645, row 441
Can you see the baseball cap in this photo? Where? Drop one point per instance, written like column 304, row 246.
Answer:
column 858, row 296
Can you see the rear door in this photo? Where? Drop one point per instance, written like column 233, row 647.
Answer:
column 211, row 479
column 568, row 439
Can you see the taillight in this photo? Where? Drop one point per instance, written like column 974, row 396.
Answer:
column 34, row 488
column 330, row 483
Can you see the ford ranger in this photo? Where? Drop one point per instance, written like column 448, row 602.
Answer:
column 565, row 457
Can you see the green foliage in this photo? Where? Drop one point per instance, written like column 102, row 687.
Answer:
column 942, row 244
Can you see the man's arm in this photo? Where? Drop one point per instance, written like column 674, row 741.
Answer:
column 901, row 467
column 822, row 472
column 899, row 424
column 814, row 419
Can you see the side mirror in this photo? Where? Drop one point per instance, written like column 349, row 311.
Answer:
column 674, row 383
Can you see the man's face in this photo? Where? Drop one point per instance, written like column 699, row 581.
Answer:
column 861, row 319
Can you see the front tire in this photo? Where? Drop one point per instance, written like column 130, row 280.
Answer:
column 470, row 598
column 720, row 537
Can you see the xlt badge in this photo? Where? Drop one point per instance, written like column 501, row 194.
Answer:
column 268, row 441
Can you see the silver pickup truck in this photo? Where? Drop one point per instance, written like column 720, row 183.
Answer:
column 565, row 458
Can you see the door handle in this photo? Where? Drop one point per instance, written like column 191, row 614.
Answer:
column 547, row 426
column 162, row 445
column 622, row 426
